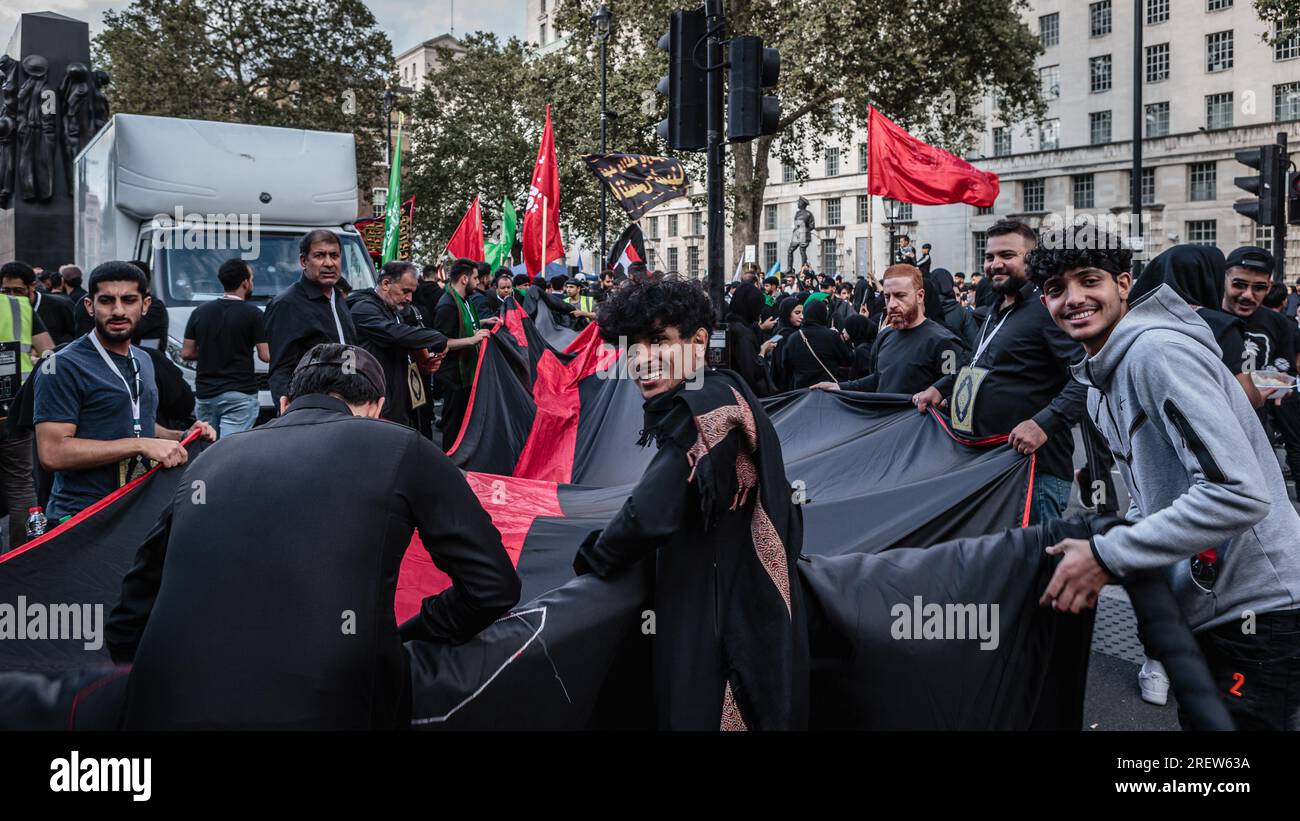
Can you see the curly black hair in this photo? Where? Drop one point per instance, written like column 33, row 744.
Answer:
column 644, row 307
column 1108, row 253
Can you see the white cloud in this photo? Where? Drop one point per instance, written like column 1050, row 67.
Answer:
column 405, row 22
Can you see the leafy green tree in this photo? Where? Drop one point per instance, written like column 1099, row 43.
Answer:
column 927, row 66
column 290, row 63
column 1285, row 14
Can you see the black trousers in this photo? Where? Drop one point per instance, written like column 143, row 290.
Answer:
column 1258, row 675
column 455, row 401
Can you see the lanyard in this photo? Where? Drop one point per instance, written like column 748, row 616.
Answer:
column 135, row 367
column 337, row 324
column 984, row 341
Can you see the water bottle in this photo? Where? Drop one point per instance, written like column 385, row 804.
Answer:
column 36, row 523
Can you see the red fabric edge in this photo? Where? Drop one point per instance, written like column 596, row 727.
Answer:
column 92, row 687
column 473, row 392
column 93, row 509
column 1029, row 491
column 999, row 439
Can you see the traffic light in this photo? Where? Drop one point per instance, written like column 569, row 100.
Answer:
column 750, row 113
column 684, row 85
column 1266, row 185
column 1293, row 197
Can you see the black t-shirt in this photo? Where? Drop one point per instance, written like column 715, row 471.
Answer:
column 1271, row 340
column 426, row 298
column 911, row 360
column 455, row 370
column 226, row 331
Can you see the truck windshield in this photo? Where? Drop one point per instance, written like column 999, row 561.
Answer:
column 189, row 275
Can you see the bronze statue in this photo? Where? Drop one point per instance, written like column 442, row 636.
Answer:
column 8, row 108
column 100, row 113
column 804, row 225
column 37, row 131
column 77, row 117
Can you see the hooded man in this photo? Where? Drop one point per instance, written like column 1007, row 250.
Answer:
column 730, row 647
column 1208, row 503
column 951, row 314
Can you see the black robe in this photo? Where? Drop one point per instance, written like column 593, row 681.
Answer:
column 730, row 647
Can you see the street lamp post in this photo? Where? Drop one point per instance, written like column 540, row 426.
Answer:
column 891, row 205
column 601, row 20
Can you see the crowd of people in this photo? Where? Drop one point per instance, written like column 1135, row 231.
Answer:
column 1185, row 391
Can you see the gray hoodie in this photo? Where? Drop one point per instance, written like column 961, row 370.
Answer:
column 1200, row 470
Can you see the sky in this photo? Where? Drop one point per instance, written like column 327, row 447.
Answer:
column 407, row 22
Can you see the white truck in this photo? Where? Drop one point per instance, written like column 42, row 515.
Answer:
column 186, row 195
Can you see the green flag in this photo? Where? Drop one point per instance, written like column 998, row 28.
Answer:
column 499, row 252
column 393, row 207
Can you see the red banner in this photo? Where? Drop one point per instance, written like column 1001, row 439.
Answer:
column 904, row 168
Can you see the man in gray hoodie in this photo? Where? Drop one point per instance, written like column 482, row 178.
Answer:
column 1209, row 505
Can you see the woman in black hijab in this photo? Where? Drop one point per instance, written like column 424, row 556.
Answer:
column 1195, row 273
column 862, row 333
column 789, row 318
column 816, row 353
column 743, row 313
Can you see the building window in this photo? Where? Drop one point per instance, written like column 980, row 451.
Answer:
column 904, row 211
column 543, row 6
column 1084, row 192
column 1099, row 19
column 693, row 261
column 1217, row 5
column 1264, row 237
column 654, row 228
column 863, row 152
column 979, row 241
column 377, row 209
column 1218, row 111
column 1049, row 136
column 1286, row 102
column 1148, row 190
column 1157, row 119
column 1202, row 177
column 672, row 260
column 787, row 173
column 832, row 162
column 1287, row 49
column 543, row 39
column 1157, row 11
column 1157, row 63
column 1049, row 77
column 830, row 263
column 1218, row 51
column 1001, row 141
column 1099, row 74
column 672, row 225
column 769, row 255
column 983, row 210
column 864, row 209
column 1031, row 194
column 1099, row 127
column 697, row 223
column 1049, row 30
column 832, row 211
column 769, row 217
column 1202, row 232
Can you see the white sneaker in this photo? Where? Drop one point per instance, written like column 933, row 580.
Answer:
column 1154, row 683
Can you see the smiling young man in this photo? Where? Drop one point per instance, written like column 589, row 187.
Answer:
column 715, row 510
column 1208, row 504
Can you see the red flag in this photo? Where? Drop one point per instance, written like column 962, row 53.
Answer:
column 542, row 218
column 903, row 167
column 467, row 240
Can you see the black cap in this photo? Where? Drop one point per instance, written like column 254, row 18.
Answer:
column 359, row 358
column 1252, row 257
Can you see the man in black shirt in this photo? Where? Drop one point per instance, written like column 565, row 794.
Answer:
column 1270, row 340
column 18, row 279
column 375, row 312
column 310, row 311
column 428, row 293
column 912, row 352
column 456, row 320
column 1018, row 381
column 222, row 336
column 82, row 318
column 152, row 330
column 271, row 604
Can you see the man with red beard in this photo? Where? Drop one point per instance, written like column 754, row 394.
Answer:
column 911, row 352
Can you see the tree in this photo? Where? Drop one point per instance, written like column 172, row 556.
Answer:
column 290, row 63
column 1284, row 14
column 927, row 66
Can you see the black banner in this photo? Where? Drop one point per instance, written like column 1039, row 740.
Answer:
column 638, row 181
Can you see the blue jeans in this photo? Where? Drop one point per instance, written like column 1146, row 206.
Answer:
column 229, row 412
column 1051, row 497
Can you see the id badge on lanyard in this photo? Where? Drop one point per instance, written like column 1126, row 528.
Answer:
column 966, row 389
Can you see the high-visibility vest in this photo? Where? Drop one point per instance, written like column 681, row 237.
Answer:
column 16, row 325
column 583, row 303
